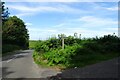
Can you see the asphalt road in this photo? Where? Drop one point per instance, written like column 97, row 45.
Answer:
column 21, row 65
column 109, row 70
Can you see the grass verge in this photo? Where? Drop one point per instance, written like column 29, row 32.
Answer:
column 75, row 61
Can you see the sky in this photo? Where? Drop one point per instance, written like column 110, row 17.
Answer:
column 47, row 19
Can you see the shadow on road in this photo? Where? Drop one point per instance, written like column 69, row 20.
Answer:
column 24, row 79
column 5, row 72
column 105, row 69
column 19, row 54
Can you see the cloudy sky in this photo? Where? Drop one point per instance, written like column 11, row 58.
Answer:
column 45, row 19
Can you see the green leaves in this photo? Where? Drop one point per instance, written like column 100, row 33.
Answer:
column 41, row 46
column 59, row 56
column 5, row 13
column 15, row 32
column 77, row 52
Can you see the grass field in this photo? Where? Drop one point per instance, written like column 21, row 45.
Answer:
column 32, row 44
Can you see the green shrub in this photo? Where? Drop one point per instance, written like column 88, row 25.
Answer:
column 59, row 56
column 108, row 39
column 41, row 46
column 53, row 43
column 9, row 48
column 93, row 46
column 111, row 47
column 77, row 52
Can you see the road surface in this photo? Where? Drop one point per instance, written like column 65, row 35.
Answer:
column 109, row 70
column 21, row 65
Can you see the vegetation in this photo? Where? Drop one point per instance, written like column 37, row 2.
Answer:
column 5, row 13
column 78, row 52
column 32, row 44
column 9, row 48
column 14, row 33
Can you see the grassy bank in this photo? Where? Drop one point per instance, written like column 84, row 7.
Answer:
column 77, row 52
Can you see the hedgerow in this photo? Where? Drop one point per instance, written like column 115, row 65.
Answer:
column 79, row 53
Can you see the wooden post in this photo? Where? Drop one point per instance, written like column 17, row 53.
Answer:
column 79, row 36
column 62, row 42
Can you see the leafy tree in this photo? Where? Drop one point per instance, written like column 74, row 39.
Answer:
column 15, row 32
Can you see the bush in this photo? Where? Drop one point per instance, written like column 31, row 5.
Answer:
column 111, row 47
column 93, row 46
column 77, row 52
column 41, row 46
column 9, row 48
column 108, row 39
column 59, row 56
column 53, row 43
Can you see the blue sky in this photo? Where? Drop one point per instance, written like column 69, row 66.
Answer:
column 46, row 19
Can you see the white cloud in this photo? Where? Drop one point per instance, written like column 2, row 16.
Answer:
column 41, row 30
column 45, row 33
column 97, row 6
column 112, row 9
column 32, row 9
column 112, row 29
column 27, row 10
column 23, row 14
column 38, row 33
column 92, row 26
column 91, row 21
column 28, row 24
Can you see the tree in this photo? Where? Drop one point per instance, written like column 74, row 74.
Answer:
column 5, row 13
column 15, row 32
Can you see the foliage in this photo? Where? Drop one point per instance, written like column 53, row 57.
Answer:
column 9, row 48
column 5, row 13
column 48, row 45
column 77, row 52
column 56, row 57
column 70, row 40
column 15, row 32
column 55, row 43
column 41, row 46
column 32, row 44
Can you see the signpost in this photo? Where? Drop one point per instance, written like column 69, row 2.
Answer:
column 62, row 37
column 62, row 42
